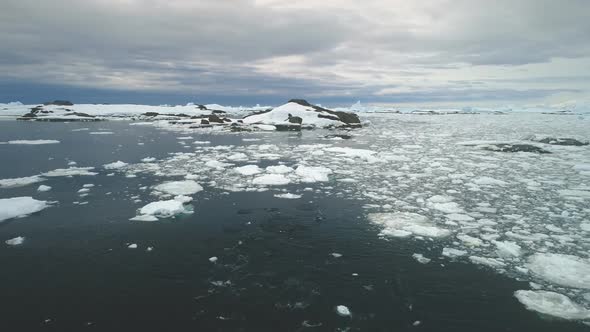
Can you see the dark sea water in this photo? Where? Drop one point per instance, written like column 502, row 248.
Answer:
column 275, row 271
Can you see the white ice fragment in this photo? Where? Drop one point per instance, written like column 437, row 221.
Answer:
column 401, row 224
column 342, row 311
column 336, row 255
column 148, row 159
column 15, row 241
column 213, row 259
column 43, row 188
column 488, row 181
column 453, row 253
column 72, row 171
column 115, row 165
column 421, row 259
column 491, row 262
column 271, row 180
column 288, row 196
column 164, row 209
column 280, row 169
column 507, row 249
column 19, row 207
column 310, row 174
column 132, row 246
column 248, row 170
column 33, row 142
column 552, row 304
column 20, row 182
column 561, row 269
column 186, row 187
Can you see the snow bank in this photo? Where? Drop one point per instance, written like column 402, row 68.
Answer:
column 19, row 207
column 552, row 304
column 186, row 187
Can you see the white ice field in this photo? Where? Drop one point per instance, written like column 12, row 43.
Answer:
column 526, row 215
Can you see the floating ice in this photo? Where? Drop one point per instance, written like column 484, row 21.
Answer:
column 33, row 142
column 421, row 259
column 132, row 246
column 561, row 269
column 20, row 182
column 453, row 253
column 164, row 209
column 148, row 159
column 43, row 188
column 248, row 170
column 342, row 311
column 15, row 241
column 280, row 169
column 491, row 262
column 213, row 259
column 508, row 249
column 552, row 304
column 186, row 187
column 101, row 133
column 271, row 180
column 115, row 165
column 488, row 181
column 402, row 224
column 72, row 171
column 310, row 174
column 19, row 207
column 288, row 196
column 336, row 255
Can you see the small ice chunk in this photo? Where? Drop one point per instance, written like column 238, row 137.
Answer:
column 552, row 304
column 336, row 255
column 421, row 259
column 343, row 311
column 186, row 187
column 43, row 188
column 33, row 142
column 20, row 182
column 115, row 165
column 19, row 207
column 453, row 253
column 144, row 217
column 288, row 196
column 488, row 181
column 491, row 262
column 271, row 180
column 508, row 249
column 248, row 170
column 132, row 246
column 310, row 174
column 402, row 224
column 148, row 159
column 15, row 241
column 213, row 259
column 280, row 169
column 164, row 209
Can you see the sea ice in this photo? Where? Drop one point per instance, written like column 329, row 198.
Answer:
column 561, row 269
column 271, row 180
column 33, row 142
column 280, row 169
column 19, row 207
column 288, row 196
column 402, row 224
column 15, row 241
column 310, row 174
column 115, row 165
column 164, row 209
column 342, row 311
column 421, row 259
column 248, row 170
column 186, row 187
column 72, row 171
column 20, row 182
column 43, row 188
column 552, row 304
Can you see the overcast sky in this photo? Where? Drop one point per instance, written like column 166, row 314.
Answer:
column 444, row 52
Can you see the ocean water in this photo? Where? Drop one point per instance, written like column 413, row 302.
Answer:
column 275, row 270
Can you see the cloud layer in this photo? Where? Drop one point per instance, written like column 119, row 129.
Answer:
column 395, row 51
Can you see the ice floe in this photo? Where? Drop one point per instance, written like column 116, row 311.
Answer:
column 20, row 182
column 115, row 165
column 15, row 241
column 552, row 304
column 164, row 209
column 16, row 207
column 186, row 187
column 402, row 224
column 33, row 142
column 561, row 269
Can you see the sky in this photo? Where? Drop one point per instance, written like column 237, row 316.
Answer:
column 334, row 52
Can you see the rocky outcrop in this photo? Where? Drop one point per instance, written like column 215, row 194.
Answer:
column 346, row 117
column 562, row 141
column 515, row 148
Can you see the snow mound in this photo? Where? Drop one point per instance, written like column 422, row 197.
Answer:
column 402, row 224
column 187, row 187
column 564, row 270
column 164, row 209
column 552, row 304
column 19, row 207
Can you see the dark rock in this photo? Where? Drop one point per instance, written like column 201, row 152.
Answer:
column 218, row 112
column 151, row 114
column 215, row 118
column 562, row 141
column 204, row 121
column 84, row 115
column 288, row 127
column 515, row 148
column 36, row 109
column 59, row 103
column 348, row 118
column 295, row 119
column 226, row 120
column 202, row 107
